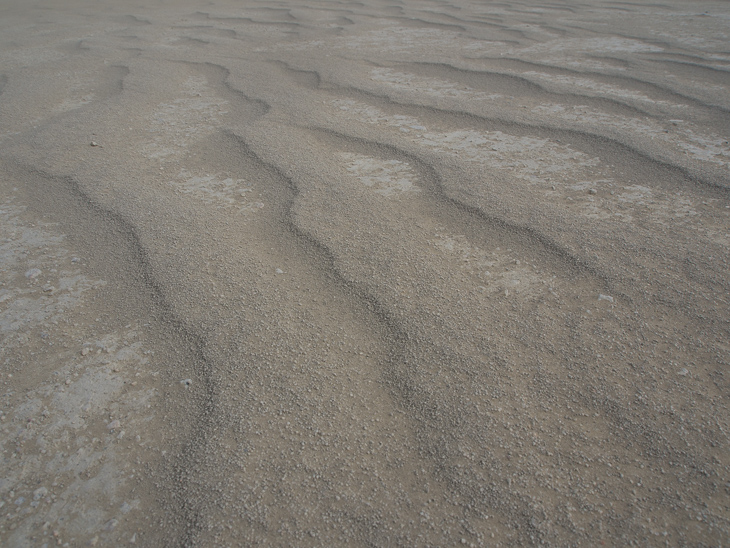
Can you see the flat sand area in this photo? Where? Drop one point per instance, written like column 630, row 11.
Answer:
column 364, row 273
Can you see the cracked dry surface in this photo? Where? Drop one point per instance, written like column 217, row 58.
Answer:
column 364, row 274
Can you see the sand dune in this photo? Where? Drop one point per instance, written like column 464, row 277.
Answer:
column 333, row 273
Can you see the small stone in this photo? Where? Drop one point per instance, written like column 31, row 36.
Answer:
column 19, row 501
column 40, row 493
column 33, row 273
column 133, row 540
column 593, row 191
column 94, row 541
column 85, row 351
column 683, row 372
column 279, row 271
column 114, row 424
column 602, row 297
column 110, row 525
column 186, row 382
column 94, row 144
column 75, row 260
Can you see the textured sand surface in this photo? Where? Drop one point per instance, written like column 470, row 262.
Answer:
column 364, row 273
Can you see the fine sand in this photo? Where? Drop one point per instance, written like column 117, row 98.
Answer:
column 364, row 273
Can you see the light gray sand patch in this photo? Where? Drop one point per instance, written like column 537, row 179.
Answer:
column 219, row 190
column 38, row 286
column 497, row 271
column 65, row 472
column 412, row 83
column 386, row 177
column 192, row 116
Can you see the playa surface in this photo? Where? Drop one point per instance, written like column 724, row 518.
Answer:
column 377, row 273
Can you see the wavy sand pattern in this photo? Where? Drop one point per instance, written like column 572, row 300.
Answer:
column 375, row 273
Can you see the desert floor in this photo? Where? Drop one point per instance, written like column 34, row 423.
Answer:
column 377, row 273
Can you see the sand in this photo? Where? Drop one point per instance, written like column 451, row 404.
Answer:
column 378, row 273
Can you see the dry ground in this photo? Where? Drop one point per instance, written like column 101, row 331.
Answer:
column 378, row 273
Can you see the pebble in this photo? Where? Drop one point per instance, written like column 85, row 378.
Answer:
column 85, row 351
column 114, row 424
column 602, row 297
column 593, row 191
column 40, row 493
column 94, row 144
column 33, row 273
column 683, row 372
column 186, row 382
column 279, row 271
